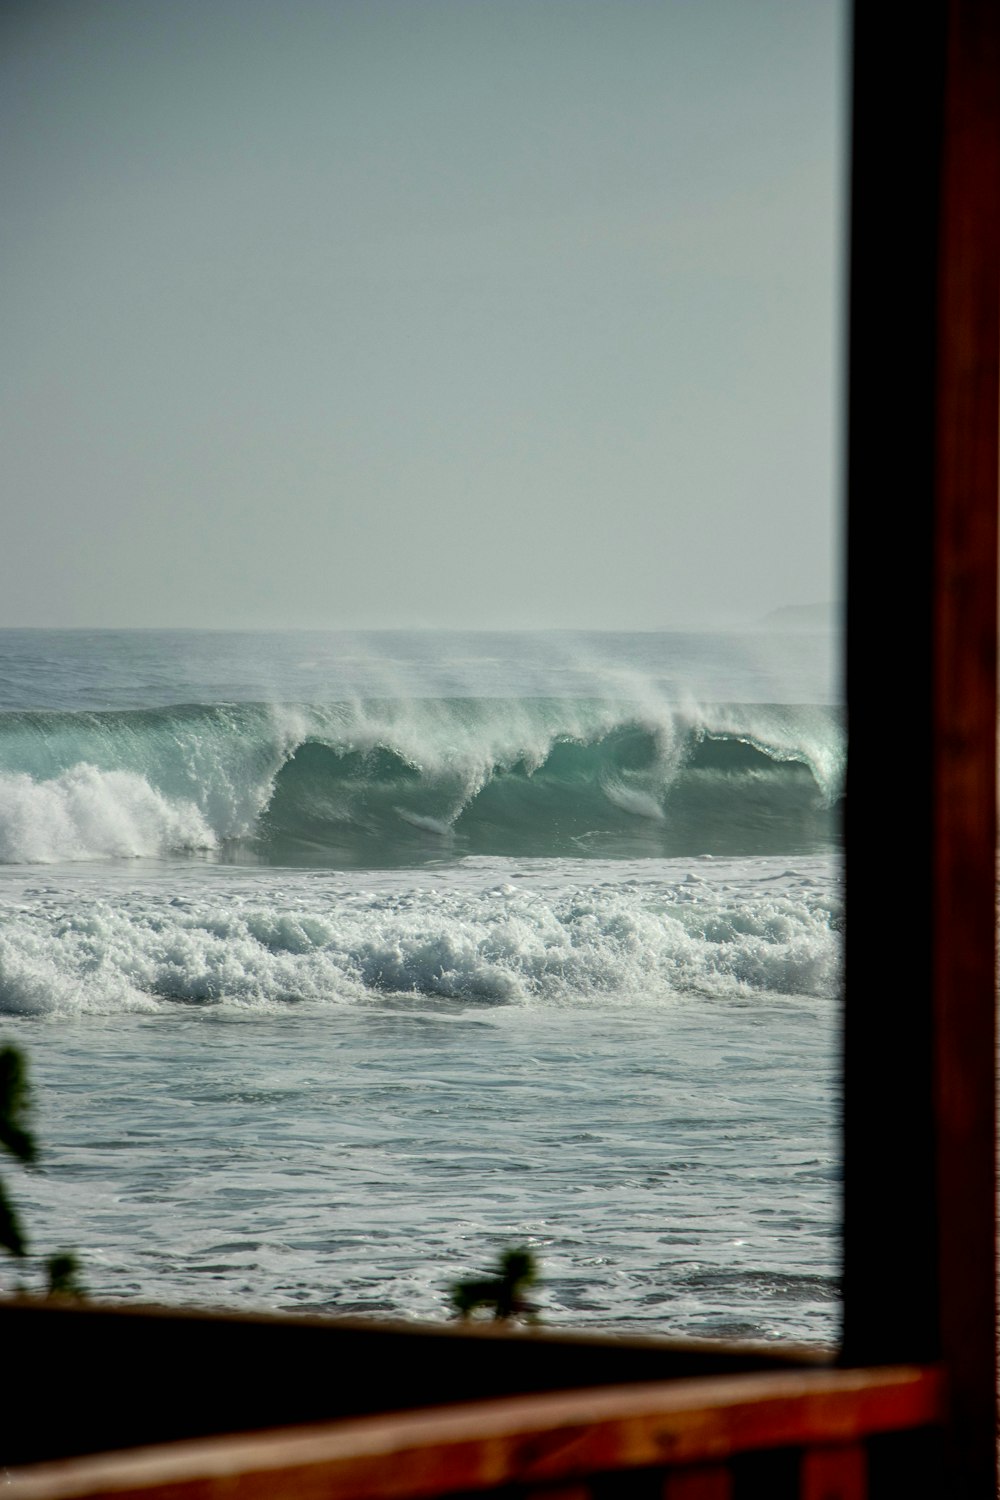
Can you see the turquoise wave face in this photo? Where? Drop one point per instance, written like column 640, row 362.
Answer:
column 384, row 782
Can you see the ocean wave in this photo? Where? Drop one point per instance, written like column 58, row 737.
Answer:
column 477, row 942
column 85, row 814
column 383, row 782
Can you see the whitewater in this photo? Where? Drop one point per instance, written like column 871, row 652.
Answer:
column 343, row 960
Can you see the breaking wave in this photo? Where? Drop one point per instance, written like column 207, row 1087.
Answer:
column 385, row 782
column 537, row 935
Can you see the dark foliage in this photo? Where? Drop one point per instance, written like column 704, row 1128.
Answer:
column 503, row 1291
column 15, row 1105
column 18, row 1141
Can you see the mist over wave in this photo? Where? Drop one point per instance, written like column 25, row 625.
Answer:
column 380, row 782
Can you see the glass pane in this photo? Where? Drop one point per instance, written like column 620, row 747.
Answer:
column 419, row 783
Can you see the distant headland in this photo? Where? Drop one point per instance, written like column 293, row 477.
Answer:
column 826, row 616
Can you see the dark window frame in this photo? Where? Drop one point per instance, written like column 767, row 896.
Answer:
column 920, row 1269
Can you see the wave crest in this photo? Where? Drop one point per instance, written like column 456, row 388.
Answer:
column 384, row 782
column 86, row 814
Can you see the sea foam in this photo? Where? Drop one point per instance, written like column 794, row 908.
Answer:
column 544, row 937
column 86, row 813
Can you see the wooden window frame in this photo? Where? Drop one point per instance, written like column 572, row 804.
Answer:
column 920, row 1264
column 920, row 1268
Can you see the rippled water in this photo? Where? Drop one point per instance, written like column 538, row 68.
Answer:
column 343, row 962
column 670, row 1155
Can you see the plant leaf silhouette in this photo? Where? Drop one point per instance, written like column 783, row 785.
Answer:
column 15, row 1102
column 516, row 1270
column 17, row 1139
column 64, row 1275
column 11, row 1236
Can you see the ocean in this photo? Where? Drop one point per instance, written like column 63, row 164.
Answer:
column 342, row 961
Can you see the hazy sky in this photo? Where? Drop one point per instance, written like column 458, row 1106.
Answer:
column 419, row 312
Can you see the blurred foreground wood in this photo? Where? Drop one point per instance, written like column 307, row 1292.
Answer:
column 805, row 1434
column 86, row 1377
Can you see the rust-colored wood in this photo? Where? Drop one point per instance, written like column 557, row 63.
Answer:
column 266, row 1370
column 965, row 657
column 559, row 1492
column 533, row 1441
column 834, row 1473
column 708, row 1482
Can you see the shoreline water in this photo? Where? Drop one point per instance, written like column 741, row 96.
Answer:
column 321, row 1079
